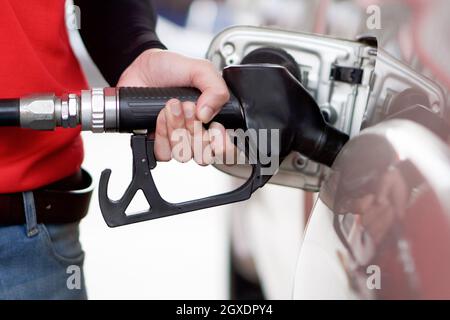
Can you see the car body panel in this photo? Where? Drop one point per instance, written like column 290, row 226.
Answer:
column 384, row 212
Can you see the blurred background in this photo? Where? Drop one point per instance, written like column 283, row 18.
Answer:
column 188, row 256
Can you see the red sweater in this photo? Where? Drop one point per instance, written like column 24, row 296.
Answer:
column 35, row 56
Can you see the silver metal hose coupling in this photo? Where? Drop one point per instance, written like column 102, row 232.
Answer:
column 95, row 110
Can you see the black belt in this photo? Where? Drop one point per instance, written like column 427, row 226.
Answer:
column 65, row 201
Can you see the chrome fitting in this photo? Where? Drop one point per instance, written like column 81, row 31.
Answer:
column 98, row 110
column 38, row 112
column 111, row 109
column 68, row 111
column 92, row 110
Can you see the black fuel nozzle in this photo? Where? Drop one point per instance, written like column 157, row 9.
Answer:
column 272, row 98
column 263, row 98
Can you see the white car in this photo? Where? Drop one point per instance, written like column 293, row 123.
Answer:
column 380, row 225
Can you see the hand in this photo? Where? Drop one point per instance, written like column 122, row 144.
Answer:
column 159, row 68
column 380, row 209
column 393, row 191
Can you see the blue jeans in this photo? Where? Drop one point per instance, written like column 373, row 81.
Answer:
column 40, row 261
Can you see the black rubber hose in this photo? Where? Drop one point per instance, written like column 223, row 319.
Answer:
column 9, row 113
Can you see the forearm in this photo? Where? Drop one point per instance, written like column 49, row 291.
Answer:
column 116, row 32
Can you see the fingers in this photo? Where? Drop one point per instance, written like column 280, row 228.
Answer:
column 201, row 150
column 172, row 140
column 162, row 149
column 199, row 137
column 163, row 68
column 214, row 90
column 156, row 68
column 178, row 135
column 222, row 147
column 189, row 116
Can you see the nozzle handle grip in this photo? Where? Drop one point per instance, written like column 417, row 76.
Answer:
column 139, row 107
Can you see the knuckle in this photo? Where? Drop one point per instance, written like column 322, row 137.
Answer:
column 207, row 68
column 223, row 93
column 172, row 101
column 206, row 64
column 174, row 122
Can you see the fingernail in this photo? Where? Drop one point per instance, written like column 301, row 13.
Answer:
column 175, row 108
column 189, row 113
column 206, row 114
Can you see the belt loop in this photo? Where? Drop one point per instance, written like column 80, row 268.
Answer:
column 30, row 213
